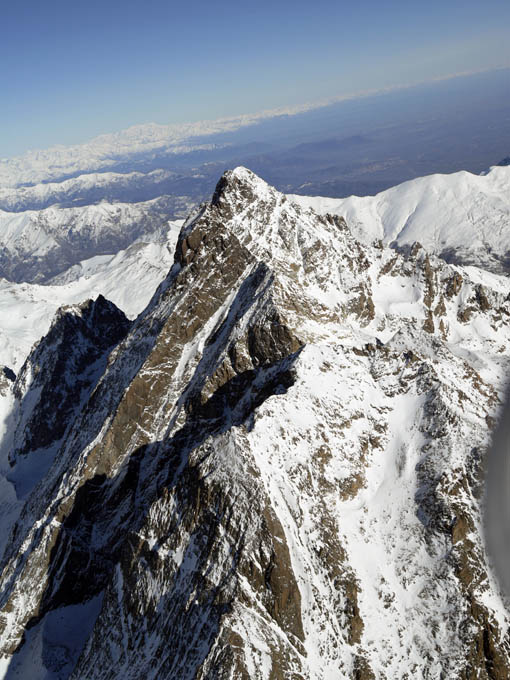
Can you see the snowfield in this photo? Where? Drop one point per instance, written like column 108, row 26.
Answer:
column 462, row 217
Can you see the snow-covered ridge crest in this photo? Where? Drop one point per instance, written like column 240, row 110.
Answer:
column 280, row 464
column 462, row 217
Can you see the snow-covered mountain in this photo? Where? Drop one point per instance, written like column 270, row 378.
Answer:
column 108, row 151
column 275, row 474
column 128, row 279
column 461, row 217
column 86, row 189
column 38, row 245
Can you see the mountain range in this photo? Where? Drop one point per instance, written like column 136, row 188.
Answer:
column 461, row 217
column 274, row 467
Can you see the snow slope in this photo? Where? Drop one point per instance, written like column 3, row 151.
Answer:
column 128, row 279
column 462, row 217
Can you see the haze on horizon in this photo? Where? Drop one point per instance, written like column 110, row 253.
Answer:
column 71, row 72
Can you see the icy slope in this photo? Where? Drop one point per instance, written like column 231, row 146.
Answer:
column 462, row 217
column 278, row 471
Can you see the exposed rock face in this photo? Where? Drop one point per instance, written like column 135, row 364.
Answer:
column 278, row 473
column 7, row 378
column 61, row 371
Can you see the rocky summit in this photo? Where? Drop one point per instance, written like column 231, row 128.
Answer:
column 274, row 472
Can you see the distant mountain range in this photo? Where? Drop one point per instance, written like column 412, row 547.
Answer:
column 460, row 216
column 361, row 146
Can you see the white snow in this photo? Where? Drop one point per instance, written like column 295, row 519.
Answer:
column 128, row 279
column 461, row 210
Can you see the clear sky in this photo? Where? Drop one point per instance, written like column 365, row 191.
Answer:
column 72, row 70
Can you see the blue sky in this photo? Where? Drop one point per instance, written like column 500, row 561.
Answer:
column 70, row 71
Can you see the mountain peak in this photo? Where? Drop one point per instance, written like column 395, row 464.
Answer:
column 272, row 228
column 279, row 464
column 62, row 370
column 239, row 183
column 242, row 173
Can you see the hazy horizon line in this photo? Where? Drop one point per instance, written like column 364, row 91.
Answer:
column 209, row 127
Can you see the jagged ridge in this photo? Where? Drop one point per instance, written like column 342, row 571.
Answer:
column 279, row 470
